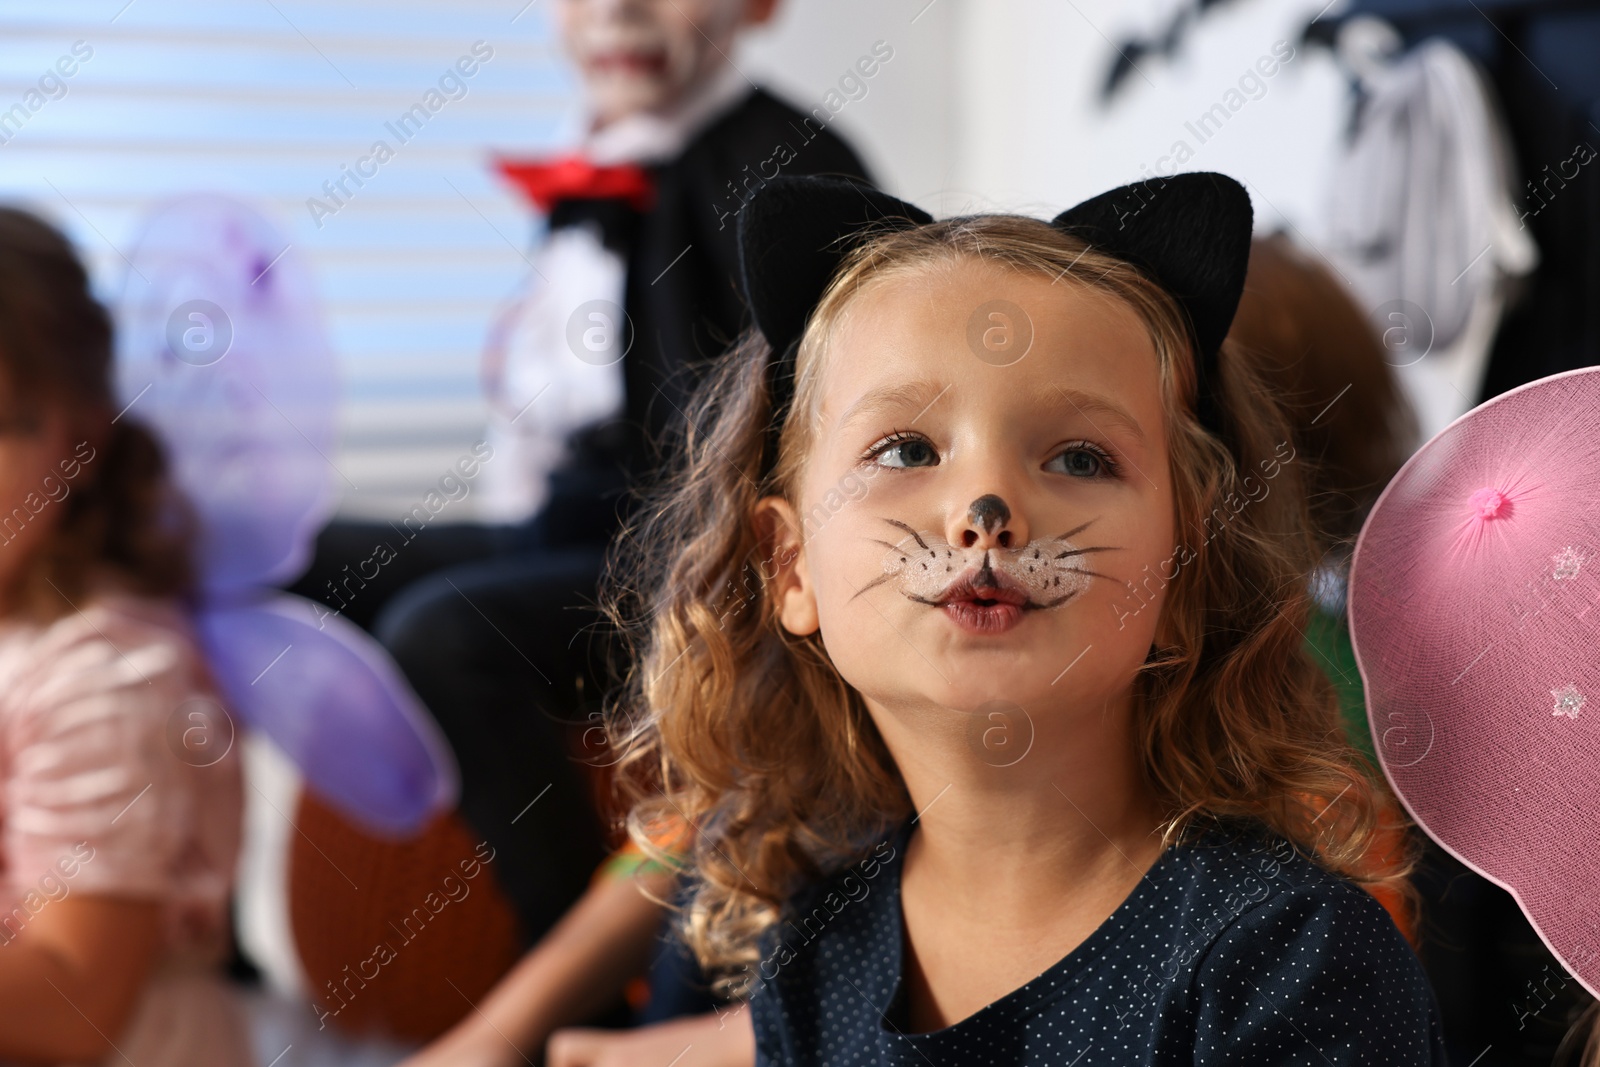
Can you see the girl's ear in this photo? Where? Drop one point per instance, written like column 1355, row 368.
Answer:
column 783, row 565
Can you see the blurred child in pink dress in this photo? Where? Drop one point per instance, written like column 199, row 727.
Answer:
column 119, row 794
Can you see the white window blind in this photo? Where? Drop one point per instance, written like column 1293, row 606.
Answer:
column 267, row 100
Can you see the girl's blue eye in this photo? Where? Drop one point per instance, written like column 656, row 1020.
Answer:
column 903, row 450
column 1083, row 460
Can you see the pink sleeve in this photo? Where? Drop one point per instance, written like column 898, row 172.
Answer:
column 94, row 782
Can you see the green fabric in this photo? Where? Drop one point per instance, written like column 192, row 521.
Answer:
column 1328, row 638
column 629, row 863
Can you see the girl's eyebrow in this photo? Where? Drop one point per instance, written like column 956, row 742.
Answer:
column 923, row 393
column 1091, row 406
column 919, row 394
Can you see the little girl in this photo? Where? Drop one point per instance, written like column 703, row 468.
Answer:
column 119, row 798
column 969, row 642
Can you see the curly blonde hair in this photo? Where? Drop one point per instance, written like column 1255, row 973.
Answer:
column 748, row 734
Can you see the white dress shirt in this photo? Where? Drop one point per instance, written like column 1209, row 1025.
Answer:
column 541, row 393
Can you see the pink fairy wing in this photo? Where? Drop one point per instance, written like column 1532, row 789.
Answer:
column 222, row 351
column 329, row 696
column 1473, row 610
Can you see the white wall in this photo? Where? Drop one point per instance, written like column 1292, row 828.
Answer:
column 994, row 103
column 906, row 126
column 1035, row 137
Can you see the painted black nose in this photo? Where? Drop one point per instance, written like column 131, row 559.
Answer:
column 988, row 513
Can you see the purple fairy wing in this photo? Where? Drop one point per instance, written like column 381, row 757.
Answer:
column 222, row 351
column 329, row 696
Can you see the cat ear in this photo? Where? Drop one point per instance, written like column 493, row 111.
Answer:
column 1191, row 234
column 792, row 237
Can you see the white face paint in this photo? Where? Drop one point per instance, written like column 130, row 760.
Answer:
column 1050, row 570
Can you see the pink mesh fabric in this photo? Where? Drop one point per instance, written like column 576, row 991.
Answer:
column 1473, row 609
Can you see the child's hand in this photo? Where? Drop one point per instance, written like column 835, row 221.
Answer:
column 466, row 1045
column 73, row 976
column 701, row 1041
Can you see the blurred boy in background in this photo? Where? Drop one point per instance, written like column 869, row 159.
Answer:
column 632, row 287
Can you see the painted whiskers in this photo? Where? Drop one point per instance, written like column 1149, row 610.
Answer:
column 1050, row 571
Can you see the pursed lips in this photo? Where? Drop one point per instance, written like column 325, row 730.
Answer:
column 984, row 587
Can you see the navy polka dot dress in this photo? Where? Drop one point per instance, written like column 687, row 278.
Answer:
column 1233, row 949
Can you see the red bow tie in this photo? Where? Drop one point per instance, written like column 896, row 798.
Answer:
column 575, row 178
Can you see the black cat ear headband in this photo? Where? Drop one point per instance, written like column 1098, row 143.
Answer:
column 1189, row 233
